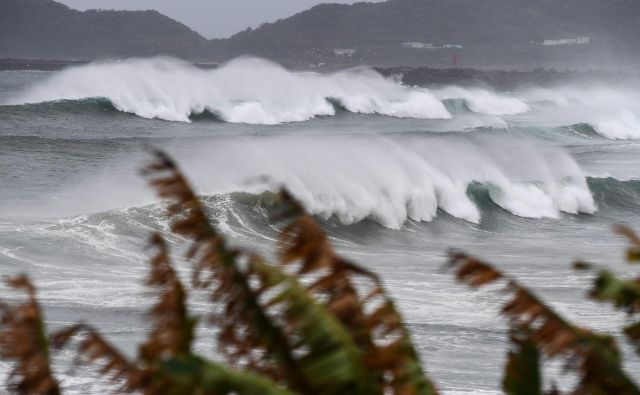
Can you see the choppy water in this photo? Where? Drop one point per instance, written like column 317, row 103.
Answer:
column 529, row 180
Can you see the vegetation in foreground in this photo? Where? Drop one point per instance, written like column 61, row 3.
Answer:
column 313, row 323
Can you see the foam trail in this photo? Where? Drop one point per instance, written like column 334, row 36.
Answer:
column 245, row 90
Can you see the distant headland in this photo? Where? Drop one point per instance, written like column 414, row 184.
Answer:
column 497, row 34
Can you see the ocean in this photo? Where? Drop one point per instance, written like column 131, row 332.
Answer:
column 529, row 180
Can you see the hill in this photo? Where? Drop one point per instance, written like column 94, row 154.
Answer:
column 481, row 33
column 47, row 29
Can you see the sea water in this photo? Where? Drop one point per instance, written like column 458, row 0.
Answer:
column 529, row 180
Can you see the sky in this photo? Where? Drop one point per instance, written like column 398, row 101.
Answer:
column 211, row 18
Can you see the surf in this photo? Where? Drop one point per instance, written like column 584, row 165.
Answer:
column 246, row 90
column 387, row 179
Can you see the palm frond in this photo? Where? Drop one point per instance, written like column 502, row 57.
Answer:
column 170, row 336
column 624, row 294
column 358, row 299
column 633, row 252
column 172, row 331
column 594, row 357
column 324, row 349
column 522, row 375
column 265, row 335
column 194, row 375
column 166, row 364
column 247, row 336
column 23, row 340
column 96, row 350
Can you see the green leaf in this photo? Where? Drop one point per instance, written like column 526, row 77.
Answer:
column 331, row 362
column 522, row 374
column 194, row 375
column 624, row 294
column 633, row 334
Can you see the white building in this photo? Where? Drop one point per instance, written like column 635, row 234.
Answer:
column 417, row 45
column 344, row 52
column 568, row 41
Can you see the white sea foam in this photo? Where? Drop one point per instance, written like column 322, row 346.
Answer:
column 387, row 179
column 625, row 126
column 245, row 90
column 484, row 101
column 614, row 113
column 393, row 180
column 256, row 91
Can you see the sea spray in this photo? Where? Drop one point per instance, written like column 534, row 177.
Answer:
column 255, row 91
column 246, row 90
column 389, row 179
column 484, row 101
column 612, row 112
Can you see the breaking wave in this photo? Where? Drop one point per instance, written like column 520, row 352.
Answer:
column 625, row 126
column 246, row 90
column 386, row 179
column 256, row 91
column 484, row 101
column 251, row 211
column 253, row 91
column 249, row 215
column 610, row 111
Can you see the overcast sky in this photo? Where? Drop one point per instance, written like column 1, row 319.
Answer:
column 211, row 18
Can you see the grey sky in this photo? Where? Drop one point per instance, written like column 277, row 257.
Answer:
column 211, row 18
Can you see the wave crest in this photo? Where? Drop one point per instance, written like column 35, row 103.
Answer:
column 392, row 181
column 484, row 101
column 611, row 111
column 246, row 90
column 256, row 91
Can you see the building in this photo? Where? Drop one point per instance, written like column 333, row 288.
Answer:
column 568, row 41
column 349, row 52
column 417, row 45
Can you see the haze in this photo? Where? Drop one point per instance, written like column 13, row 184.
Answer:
column 211, row 18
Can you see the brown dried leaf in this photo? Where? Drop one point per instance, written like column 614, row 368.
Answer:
column 93, row 347
column 593, row 356
column 368, row 313
column 22, row 339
